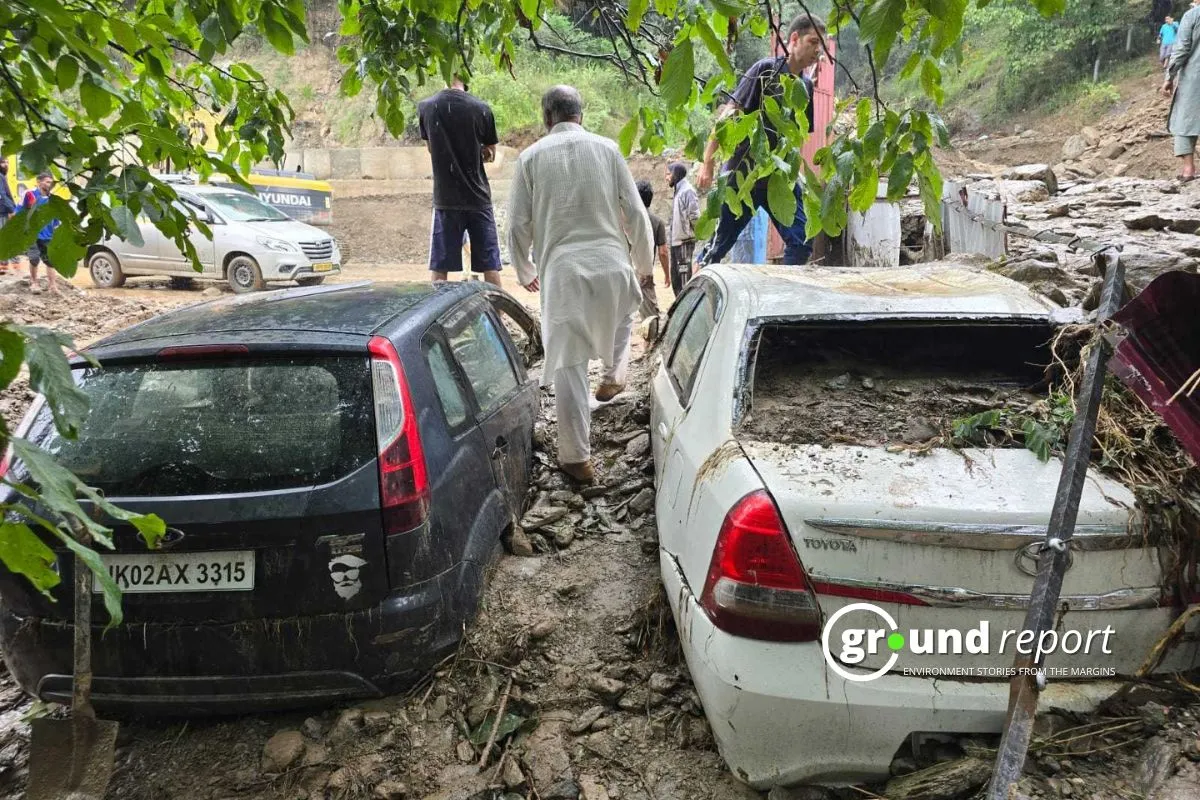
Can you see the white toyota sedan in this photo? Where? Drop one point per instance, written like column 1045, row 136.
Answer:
column 848, row 537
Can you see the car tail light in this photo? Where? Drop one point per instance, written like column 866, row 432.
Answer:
column 756, row 585
column 403, row 480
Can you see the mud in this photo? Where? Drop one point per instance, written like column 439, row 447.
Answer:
column 874, row 387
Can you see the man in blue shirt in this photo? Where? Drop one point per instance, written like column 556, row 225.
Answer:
column 40, row 252
column 1166, row 39
column 805, row 46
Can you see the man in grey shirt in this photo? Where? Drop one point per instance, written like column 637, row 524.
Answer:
column 684, row 213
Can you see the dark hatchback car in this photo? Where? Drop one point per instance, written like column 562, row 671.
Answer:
column 336, row 467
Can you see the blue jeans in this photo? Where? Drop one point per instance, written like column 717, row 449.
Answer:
column 796, row 248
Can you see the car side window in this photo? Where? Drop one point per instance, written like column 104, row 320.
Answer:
column 692, row 342
column 450, row 394
column 484, row 358
column 679, row 316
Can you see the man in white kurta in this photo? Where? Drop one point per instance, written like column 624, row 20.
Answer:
column 574, row 202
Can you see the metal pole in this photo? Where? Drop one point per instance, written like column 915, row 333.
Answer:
column 1043, row 600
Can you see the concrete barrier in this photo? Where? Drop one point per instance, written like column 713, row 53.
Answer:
column 319, row 163
column 374, row 162
column 382, row 163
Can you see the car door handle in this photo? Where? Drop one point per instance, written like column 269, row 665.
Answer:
column 501, row 447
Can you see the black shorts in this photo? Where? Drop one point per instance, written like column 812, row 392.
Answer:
column 446, row 241
column 39, row 253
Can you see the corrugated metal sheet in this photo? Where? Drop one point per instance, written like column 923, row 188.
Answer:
column 964, row 233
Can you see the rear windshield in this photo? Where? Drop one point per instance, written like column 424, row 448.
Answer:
column 219, row 427
column 880, row 383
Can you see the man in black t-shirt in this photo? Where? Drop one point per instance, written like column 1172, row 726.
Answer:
column 804, row 48
column 460, row 132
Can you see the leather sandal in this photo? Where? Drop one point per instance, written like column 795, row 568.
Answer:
column 581, row 471
column 608, row 391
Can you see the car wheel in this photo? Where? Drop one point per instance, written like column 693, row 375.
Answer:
column 182, row 283
column 106, row 269
column 312, row 280
column 244, row 275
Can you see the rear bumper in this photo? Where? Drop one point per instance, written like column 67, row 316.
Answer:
column 781, row 717
column 258, row 664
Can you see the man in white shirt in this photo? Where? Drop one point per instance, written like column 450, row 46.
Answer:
column 684, row 213
column 574, row 202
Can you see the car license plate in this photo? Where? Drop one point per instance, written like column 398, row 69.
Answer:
column 324, row 266
column 231, row 571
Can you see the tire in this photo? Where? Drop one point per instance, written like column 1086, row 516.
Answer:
column 105, row 269
column 311, row 280
column 244, row 275
column 182, row 283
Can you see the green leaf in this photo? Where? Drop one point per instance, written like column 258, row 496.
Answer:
column 881, row 23
column 50, row 375
column 713, row 44
column 628, row 134
column 863, row 113
column 637, row 10
column 781, row 196
column 108, row 587
column 351, row 81
column 676, row 84
column 1048, row 8
column 23, row 552
column 276, row 30
column 66, row 72
column 931, row 81
column 865, row 191
column 1039, row 439
column 12, row 355
column 530, row 9
column 900, row 176
column 17, row 235
column 65, row 254
column 666, row 8
column 96, row 101
column 126, row 222
column 509, row 724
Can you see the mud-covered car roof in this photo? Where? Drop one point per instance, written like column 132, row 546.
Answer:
column 936, row 289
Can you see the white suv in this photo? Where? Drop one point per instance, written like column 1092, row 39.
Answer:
column 252, row 244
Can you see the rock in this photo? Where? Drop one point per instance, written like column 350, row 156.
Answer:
column 1023, row 191
column 212, row 291
column 919, row 430
column 1160, row 219
column 348, row 724
column 946, row 781
column 519, row 543
column 1113, row 151
column 368, row 769
column 591, row 789
column 312, row 728
column 799, row 793
column 1182, row 786
column 1157, row 764
column 541, row 516
column 1090, row 136
column 1142, row 267
column 584, row 721
column 542, row 629
column 512, row 776
column 608, row 688
column 661, row 682
column 1119, row 170
column 390, row 790
column 281, row 751
column 315, row 754
column 244, row 777
column 639, row 446
column 840, row 382
column 642, row 502
column 1154, row 718
column 563, row 790
column 1033, row 172
column 563, row 538
column 547, row 759
column 868, row 384
column 465, row 752
column 566, row 498
column 1032, row 272
column 438, row 709
column 376, row 721
column 1074, row 147
column 461, row 783
column 636, row 699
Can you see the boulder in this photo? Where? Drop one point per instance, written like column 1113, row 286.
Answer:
column 281, row 751
column 1033, row 172
column 1113, row 151
column 546, row 756
column 1090, row 135
column 1074, row 147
